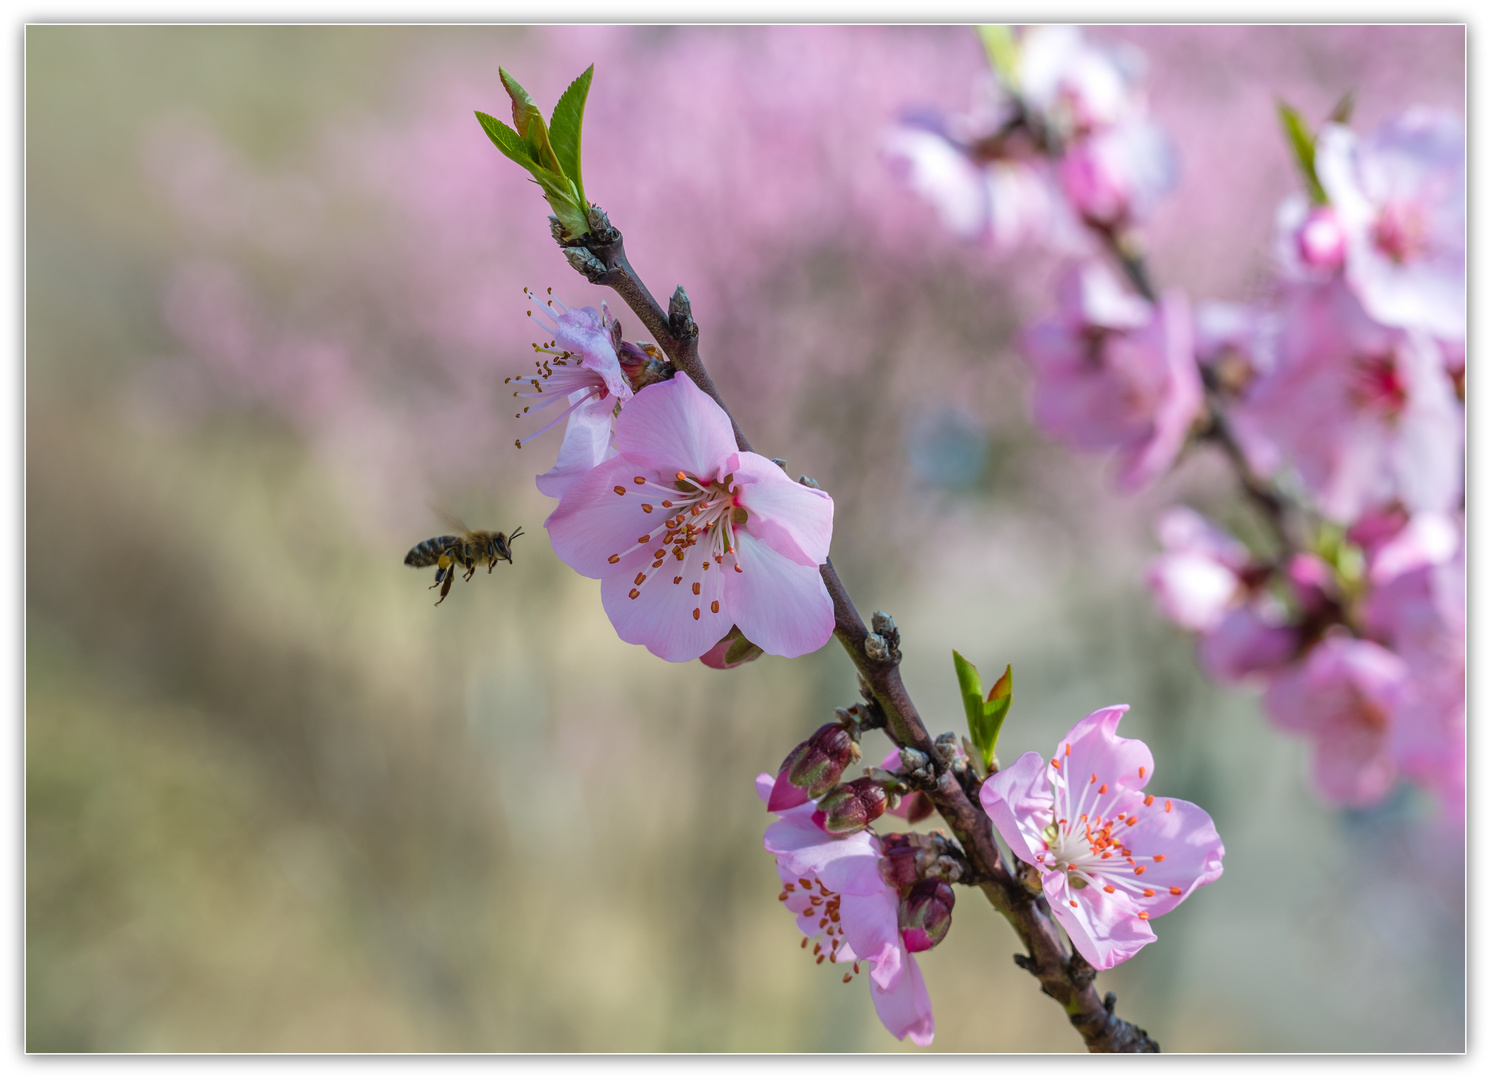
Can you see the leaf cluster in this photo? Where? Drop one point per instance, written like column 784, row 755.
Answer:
column 550, row 152
column 985, row 715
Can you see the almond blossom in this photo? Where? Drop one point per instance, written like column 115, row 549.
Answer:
column 1115, row 372
column 1400, row 197
column 579, row 366
column 1110, row 858
column 691, row 536
column 845, row 908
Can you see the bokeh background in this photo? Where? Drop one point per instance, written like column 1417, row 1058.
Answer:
column 277, row 801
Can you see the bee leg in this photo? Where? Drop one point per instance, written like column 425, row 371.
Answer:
column 445, row 587
column 470, row 570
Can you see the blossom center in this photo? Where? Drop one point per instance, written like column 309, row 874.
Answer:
column 1087, row 840
column 1377, row 385
column 809, row 897
column 702, row 518
column 1400, row 231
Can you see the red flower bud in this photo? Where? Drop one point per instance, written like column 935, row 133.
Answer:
column 925, row 914
column 817, row 764
column 850, row 807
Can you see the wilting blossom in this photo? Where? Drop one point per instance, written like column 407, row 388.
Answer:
column 579, row 366
column 1365, row 414
column 1400, row 196
column 1110, row 857
column 1115, row 372
column 844, row 906
column 691, row 536
column 1345, row 697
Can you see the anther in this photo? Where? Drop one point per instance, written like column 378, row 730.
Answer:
column 1072, row 902
column 1138, row 870
column 817, row 947
column 1103, row 790
column 804, row 943
column 782, row 895
column 714, row 606
column 805, row 883
column 696, row 588
column 1141, row 772
column 821, row 959
column 1159, row 858
column 1144, row 915
column 677, row 580
column 846, row 978
column 1094, row 779
column 1108, row 888
column 646, row 508
column 1149, row 800
column 633, row 594
column 1167, row 806
column 619, row 489
column 1175, row 890
column 1055, row 764
column 696, row 614
column 1148, row 892
column 641, row 577
column 639, row 479
column 680, row 475
column 644, row 539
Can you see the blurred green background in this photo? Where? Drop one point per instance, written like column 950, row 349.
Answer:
column 276, row 801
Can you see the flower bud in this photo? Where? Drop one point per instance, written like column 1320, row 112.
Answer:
column 1320, row 241
column 814, row 766
column 732, row 650
column 925, row 914
column 850, row 807
column 903, row 858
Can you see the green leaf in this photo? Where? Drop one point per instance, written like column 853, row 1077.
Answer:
column 1003, row 53
column 564, row 128
column 529, row 123
column 506, row 140
column 997, row 707
column 1341, row 114
column 973, row 693
column 1302, row 142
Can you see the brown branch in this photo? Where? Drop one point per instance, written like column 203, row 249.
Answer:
column 1061, row 972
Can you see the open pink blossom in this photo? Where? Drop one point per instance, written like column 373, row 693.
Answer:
column 835, row 888
column 1363, row 413
column 1417, row 607
column 1111, row 858
column 579, row 366
column 690, row 536
column 1113, row 178
column 1345, row 697
column 1400, row 197
column 1076, row 85
column 984, row 184
column 1115, row 372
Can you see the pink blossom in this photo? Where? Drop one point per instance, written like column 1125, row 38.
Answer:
column 1417, row 607
column 835, row 887
column 690, row 536
column 1110, row 857
column 1400, row 194
column 1078, row 86
column 984, row 184
column 1344, row 697
column 1116, row 176
column 1365, row 414
column 1114, row 372
column 579, row 366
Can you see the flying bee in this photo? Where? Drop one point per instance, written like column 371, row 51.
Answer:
column 468, row 549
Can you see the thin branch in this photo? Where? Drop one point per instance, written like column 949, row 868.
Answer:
column 1061, row 972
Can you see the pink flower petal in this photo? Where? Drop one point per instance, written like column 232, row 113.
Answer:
column 592, row 523
column 1015, row 798
column 672, row 426
column 870, row 927
column 1092, row 748
column 797, row 521
column 906, row 1010
column 1101, row 930
column 781, row 605
column 587, row 442
column 666, row 615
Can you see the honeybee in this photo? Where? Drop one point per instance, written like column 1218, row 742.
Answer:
column 468, row 549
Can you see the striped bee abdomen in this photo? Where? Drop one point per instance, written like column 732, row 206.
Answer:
column 428, row 552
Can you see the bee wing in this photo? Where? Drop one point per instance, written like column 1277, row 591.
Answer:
column 451, row 520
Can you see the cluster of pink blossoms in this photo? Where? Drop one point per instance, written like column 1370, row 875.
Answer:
column 691, row 538
column 1110, row 858
column 1342, row 393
